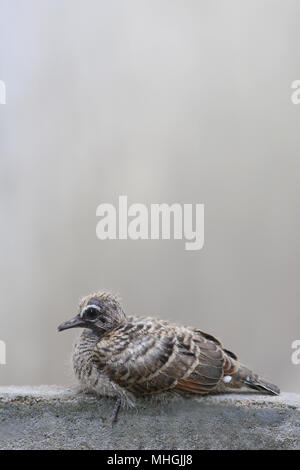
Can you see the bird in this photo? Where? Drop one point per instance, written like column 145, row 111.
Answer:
column 126, row 357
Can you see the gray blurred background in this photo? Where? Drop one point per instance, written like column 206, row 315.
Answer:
column 162, row 101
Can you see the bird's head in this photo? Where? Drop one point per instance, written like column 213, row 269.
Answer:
column 99, row 312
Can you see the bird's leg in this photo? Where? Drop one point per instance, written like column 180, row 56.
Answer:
column 115, row 411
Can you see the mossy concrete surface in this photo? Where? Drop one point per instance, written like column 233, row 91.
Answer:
column 51, row 417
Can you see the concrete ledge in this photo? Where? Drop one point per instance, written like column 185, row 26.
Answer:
column 50, row 417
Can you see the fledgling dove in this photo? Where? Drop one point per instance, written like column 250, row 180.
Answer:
column 126, row 356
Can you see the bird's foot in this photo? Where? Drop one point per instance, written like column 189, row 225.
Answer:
column 115, row 412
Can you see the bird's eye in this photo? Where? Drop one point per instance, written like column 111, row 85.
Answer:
column 91, row 314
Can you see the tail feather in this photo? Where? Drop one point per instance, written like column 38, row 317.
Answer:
column 244, row 376
column 262, row 386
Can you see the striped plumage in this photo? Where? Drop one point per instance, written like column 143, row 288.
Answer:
column 126, row 357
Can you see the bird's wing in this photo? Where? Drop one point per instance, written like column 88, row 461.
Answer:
column 214, row 362
column 152, row 356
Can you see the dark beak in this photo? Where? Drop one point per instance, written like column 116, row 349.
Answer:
column 75, row 322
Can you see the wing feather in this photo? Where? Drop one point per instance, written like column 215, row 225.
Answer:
column 149, row 356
